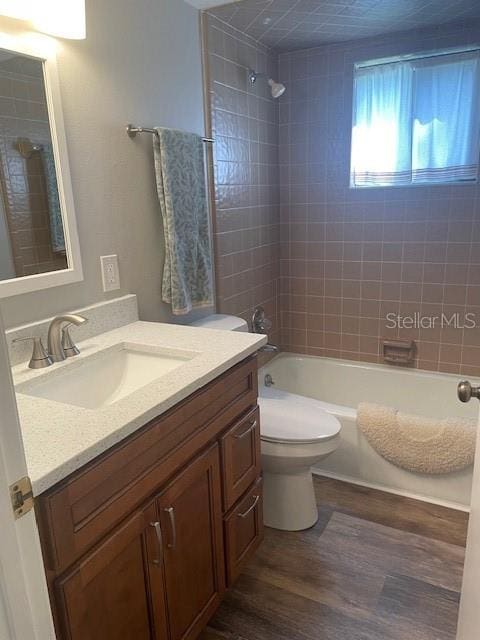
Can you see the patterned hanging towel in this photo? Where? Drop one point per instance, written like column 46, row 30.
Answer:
column 57, row 234
column 415, row 443
column 180, row 175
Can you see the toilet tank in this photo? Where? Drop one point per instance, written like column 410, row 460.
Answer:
column 222, row 322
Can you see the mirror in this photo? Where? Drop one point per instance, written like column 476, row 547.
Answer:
column 38, row 236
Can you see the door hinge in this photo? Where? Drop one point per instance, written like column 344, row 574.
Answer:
column 21, row 495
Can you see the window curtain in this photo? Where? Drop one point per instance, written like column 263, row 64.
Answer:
column 417, row 122
column 446, row 119
column 382, row 131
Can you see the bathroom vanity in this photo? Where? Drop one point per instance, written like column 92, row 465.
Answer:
column 141, row 541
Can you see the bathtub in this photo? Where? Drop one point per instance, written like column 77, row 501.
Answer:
column 341, row 385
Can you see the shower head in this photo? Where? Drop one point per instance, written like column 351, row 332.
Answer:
column 277, row 88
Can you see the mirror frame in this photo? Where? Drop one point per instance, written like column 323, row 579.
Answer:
column 43, row 49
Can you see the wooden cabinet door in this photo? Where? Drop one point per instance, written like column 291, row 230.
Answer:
column 117, row 590
column 191, row 516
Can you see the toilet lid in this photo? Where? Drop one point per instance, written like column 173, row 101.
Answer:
column 289, row 418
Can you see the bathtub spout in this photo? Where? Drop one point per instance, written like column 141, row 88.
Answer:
column 269, row 348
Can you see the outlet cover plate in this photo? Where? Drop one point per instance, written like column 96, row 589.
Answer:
column 110, row 272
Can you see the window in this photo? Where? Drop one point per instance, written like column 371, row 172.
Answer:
column 416, row 121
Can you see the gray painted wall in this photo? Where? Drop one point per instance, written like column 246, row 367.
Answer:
column 140, row 63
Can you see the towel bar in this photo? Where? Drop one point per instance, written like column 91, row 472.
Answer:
column 132, row 131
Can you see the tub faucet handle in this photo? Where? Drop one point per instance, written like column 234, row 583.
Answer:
column 260, row 322
column 268, row 380
column 465, row 391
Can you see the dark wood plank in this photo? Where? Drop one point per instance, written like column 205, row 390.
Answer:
column 409, row 602
column 215, row 634
column 406, row 514
column 352, row 575
column 257, row 611
column 367, row 546
column 313, row 572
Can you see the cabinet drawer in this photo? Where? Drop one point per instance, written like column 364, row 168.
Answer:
column 243, row 531
column 78, row 512
column 240, row 457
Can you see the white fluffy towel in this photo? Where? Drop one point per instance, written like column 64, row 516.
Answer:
column 418, row 444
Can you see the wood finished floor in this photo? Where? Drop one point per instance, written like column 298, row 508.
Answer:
column 375, row 567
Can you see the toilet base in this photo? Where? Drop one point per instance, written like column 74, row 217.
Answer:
column 289, row 501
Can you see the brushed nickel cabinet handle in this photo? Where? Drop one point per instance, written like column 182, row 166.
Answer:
column 171, row 515
column 255, row 502
column 158, row 534
column 247, row 431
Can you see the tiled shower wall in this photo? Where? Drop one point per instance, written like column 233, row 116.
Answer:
column 348, row 257
column 246, row 216
column 351, row 256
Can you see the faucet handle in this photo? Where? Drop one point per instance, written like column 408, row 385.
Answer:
column 260, row 322
column 69, row 347
column 40, row 358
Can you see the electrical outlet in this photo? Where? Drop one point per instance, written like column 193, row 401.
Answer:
column 110, row 272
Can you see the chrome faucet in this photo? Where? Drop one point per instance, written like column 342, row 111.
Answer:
column 56, row 349
column 261, row 324
column 269, row 348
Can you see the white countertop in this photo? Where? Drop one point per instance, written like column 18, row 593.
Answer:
column 60, row 438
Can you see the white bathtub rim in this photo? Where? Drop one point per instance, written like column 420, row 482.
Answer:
column 456, row 506
column 362, row 364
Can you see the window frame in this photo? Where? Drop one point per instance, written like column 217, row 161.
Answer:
column 374, row 62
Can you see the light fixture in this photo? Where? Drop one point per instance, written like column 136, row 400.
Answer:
column 277, row 88
column 61, row 18
column 16, row 9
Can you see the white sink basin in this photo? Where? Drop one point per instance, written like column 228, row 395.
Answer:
column 106, row 377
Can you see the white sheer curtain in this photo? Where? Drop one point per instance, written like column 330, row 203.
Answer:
column 446, row 119
column 417, row 121
column 382, row 130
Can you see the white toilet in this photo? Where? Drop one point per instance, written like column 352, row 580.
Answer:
column 296, row 433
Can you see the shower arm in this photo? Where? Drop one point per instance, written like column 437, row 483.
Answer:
column 253, row 75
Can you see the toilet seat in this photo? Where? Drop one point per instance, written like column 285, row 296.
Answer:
column 287, row 418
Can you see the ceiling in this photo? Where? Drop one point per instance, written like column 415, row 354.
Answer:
column 285, row 25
